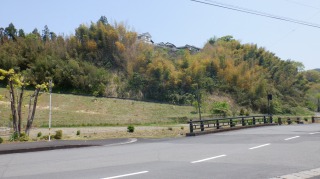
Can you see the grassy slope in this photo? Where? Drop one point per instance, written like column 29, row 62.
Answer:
column 72, row 110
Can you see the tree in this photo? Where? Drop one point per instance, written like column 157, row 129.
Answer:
column 11, row 31
column 103, row 19
column 46, row 34
column 16, row 80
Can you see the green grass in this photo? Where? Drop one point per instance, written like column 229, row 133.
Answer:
column 72, row 110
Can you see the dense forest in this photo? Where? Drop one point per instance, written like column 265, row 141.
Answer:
column 107, row 60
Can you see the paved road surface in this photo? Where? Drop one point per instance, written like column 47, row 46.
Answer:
column 251, row 153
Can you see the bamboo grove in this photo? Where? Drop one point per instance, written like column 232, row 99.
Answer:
column 107, row 60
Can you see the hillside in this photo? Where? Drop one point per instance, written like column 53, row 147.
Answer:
column 73, row 110
column 108, row 60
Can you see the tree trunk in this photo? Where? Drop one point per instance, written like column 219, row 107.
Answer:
column 13, row 107
column 32, row 110
column 19, row 108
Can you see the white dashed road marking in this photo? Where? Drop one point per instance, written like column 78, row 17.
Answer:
column 259, row 146
column 206, row 159
column 292, row 138
column 126, row 175
column 314, row 133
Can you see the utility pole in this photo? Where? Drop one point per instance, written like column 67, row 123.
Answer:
column 269, row 99
column 199, row 102
column 50, row 109
column 318, row 104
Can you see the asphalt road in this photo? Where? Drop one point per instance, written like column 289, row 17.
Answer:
column 256, row 153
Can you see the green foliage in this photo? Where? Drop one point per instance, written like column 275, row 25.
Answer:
column 1, row 140
column 170, row 128
column 78, row 132
column 14, row 137
column 23, row 137
column 58, row 134
column 130, row 128
column 220, row 108
column 86, row 62
column 241, row 112
column 247, row 113
column 39, row 134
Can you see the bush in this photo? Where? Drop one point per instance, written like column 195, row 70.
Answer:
column 130, row 128
column 182, row 127
column 306, row 119
column 14, row 137
column 220, row 108
column 46, row 137
column 247, row 113
column 78, row 132
column 170, row 128
column 1, row 140
column 241, row 112
column 58, row 134
column 23, row 137
column 39, row 134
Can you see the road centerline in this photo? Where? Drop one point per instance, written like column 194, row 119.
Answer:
column 256, row 147
column 126, row 175
column 206, row 159
column 292, row 138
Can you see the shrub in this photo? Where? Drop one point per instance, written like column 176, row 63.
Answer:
column 46, row 137
column 247, row 113
column 306, row 119
column 220, row 108
column 1, row 140
column 130, row 128
column 39, row 134
column 170, row 128
column 14, row 137
column 182, row 127
column 241, row 112
column 58, row 134
column 78, row 132
column 23, row 137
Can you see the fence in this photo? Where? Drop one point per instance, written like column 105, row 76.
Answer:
column 242, row 121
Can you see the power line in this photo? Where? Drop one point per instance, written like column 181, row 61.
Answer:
column 258, row 13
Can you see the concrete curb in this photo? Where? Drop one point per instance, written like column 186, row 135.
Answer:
column 58, row 144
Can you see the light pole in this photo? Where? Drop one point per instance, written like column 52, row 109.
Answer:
column 50, row 91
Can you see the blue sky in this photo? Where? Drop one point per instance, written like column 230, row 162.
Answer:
column 182, row 21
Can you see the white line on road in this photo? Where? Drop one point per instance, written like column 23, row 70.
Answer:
column 314, row 133
column 206, row 159
column 126, row 175
column 131, row 140
column 292, row 138
column 259, row 146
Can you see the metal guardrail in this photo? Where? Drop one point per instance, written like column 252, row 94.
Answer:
column 229, row 121
column 241, row 121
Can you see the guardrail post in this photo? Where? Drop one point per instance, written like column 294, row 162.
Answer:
column 253, row 121
column 217, row 124
column 271, row 120
column 242, row 121
column 264, row 119
column 201, row 126
column 231, row 123
column 191, row 126
column 313, row 120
